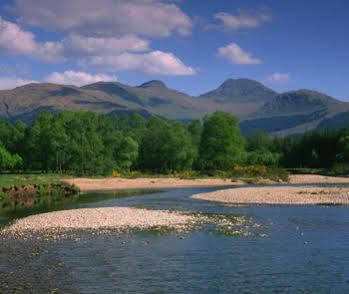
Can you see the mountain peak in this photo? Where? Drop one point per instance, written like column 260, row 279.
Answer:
column 299, row 101
column 240, row 90
column 240, row 81
column 153, row 84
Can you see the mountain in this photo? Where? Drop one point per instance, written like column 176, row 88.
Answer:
column 340, row 120
column 153, row 84
column 301, row 101
column 154, row 97
column 294, row 112
column 240, row 91
column 242, row 96
column 257, row 106
column 23, row 103
column 26, row 101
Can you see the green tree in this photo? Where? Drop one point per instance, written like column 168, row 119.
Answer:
column 9, row 161
column 221, row 143
column 166, row 147
column 262, row 150
column 39, row 145
column 343, row 141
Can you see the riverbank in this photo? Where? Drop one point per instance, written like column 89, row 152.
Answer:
column 116, row 218
column 15, row 197
column 280, row 195
column 307, row 179
column 88, row 184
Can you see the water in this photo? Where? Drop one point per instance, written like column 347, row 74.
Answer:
column 305, row 251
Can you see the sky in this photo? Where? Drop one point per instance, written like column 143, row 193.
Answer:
column 191, row 45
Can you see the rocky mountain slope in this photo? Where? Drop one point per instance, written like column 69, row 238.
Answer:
column 257, row 106
column 295, row 112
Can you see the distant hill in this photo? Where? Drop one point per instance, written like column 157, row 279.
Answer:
column 23, row 103
column 153, row 97
column 240, row 96
column 301, row 101
column 340, row 120
column 240, row 90
column 257, row 106
column 294, row 112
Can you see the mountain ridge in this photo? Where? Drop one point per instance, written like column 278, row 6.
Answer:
column 255, row 104
column 245, row 90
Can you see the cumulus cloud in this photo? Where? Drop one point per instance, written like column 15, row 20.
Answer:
column 105, row 17
column 278, row 78
column 241, row 20
column 77, row 45
column 107, row 53
column 78, row 78
column 14, row 40
column 8, row 83
column 17, row 41
column 155, row 62
column 236, row 55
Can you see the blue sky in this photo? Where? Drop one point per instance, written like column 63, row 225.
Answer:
column 191, row 45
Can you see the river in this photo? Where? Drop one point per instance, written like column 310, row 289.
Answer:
column 294, row 249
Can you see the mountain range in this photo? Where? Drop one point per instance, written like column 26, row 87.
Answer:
column 257, row 106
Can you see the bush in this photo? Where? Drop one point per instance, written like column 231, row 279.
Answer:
column 260, row 171
column 340, row 169
column 263, row 158
column 116, row 174
column 189, row 174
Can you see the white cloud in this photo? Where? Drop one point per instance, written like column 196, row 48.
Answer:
column 236, row 55
column 14, row 40
column 77, row 45
column 105, row 17
column 242, row 20
column 78, row 78
column 102, row 51
column 8, row 83
column 155, row 62
column 278, row 78
column 105, row 53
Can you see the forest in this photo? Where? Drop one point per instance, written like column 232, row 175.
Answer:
column 86, row 143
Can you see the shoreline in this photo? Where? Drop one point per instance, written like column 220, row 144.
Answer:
column 115, row 184
column 127, row 217
column 101, row 218
column 309, row 195
column 18, row 196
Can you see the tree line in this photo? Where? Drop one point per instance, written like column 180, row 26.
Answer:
column 86, row 143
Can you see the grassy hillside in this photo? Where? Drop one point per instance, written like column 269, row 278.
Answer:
column 256, row 105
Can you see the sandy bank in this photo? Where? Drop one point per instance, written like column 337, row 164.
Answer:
column 86, row 184
column 279, row 195
column 317, row 179
column 101, row 218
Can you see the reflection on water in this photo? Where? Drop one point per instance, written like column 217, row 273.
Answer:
column 76, row 201
column 306, row 251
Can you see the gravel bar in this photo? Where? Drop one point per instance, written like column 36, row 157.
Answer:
column 101, row 218
column 279, row 195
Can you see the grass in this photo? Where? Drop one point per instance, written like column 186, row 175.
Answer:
column 252, row 173
column 49, row 188
column 307, row 170
column 8, row 180
column 336, row 170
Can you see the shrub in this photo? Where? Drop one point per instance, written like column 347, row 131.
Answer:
column 260, row 171
column 116, row 174
column 340, row 169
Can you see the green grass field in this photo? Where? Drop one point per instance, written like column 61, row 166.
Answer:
column 8, row 180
